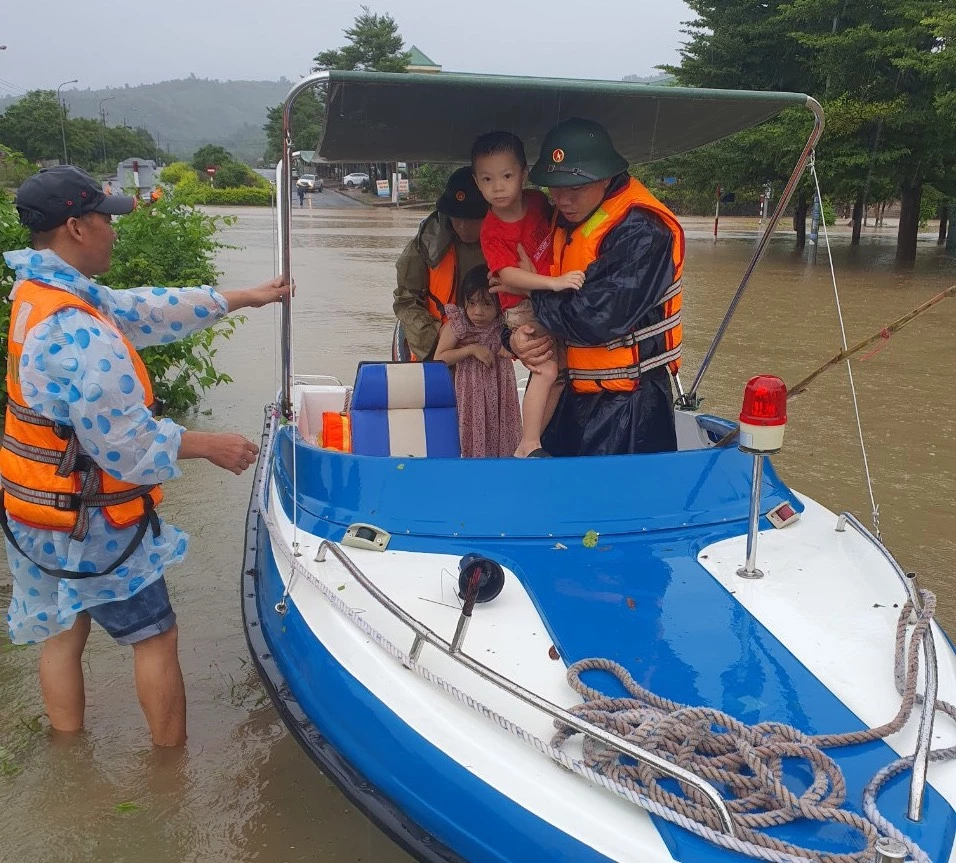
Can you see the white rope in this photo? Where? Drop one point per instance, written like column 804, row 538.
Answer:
column 281, row 548
column 875, row 509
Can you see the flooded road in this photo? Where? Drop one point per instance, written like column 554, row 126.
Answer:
column 243, row 790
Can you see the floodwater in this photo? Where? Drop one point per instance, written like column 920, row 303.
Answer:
column 243, row 790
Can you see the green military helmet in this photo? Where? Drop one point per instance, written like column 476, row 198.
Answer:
column 576, row 152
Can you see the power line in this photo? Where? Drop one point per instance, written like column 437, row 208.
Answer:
column 13, row 88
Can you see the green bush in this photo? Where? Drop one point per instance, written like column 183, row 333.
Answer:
column 244, row 197
column 429, row 180
column 828, row 212
column 170, row 243
column 166, row 243
column 192, row 191
column 12, row 236
column 176, row 172
column 238, row 175
column 14, row 167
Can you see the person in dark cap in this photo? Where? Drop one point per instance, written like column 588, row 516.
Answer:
column 433, row 264
column 86, row 451
column 623, row 327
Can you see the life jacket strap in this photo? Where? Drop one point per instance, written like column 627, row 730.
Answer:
column 81, row 502
column 149, row 520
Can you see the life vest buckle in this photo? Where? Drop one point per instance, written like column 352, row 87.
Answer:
column 68, row 502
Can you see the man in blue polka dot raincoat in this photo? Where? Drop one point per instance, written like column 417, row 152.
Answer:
column 74, row 377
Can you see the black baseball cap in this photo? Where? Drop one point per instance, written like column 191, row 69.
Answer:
column 48, row 198
column 461, row 198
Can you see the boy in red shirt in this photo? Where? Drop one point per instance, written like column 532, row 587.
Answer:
column 520, row 217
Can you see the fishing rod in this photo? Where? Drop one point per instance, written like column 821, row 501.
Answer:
column 882, row 333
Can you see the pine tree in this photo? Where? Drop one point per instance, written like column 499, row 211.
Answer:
column 374, row 44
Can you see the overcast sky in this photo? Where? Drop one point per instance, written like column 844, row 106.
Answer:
column 110, row 43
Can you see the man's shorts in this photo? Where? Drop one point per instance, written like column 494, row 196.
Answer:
column 142, row 616
column 523, row 315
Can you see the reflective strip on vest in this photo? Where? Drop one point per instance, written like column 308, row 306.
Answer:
column 617, row 365
column 669, row 323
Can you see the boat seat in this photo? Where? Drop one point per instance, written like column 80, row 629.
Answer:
column 404, row 409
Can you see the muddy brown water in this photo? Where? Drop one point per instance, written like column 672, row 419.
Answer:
column 242, row 790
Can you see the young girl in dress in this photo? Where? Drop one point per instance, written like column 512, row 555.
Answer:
column 489, row 420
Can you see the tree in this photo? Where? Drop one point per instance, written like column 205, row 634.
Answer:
column 374, row 44
column 878, row 68
column 32, row 126
column 308, row 114
column 210, row 156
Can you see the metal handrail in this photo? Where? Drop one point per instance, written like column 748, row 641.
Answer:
column 924, row 737
column 690, row 401
column 425, row 635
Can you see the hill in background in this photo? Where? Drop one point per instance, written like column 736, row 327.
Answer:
column 185, row 114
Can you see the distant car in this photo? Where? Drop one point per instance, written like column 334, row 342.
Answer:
column 350, row 181
column 310, row 183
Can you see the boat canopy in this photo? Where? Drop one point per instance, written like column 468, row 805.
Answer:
column 387, row 116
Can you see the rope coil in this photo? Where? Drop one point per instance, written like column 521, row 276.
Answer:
column 748, row 760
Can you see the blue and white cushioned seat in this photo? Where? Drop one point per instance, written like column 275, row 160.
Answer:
column 404, row 409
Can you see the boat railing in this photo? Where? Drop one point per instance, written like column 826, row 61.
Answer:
column 925, row 735
column 423, row 635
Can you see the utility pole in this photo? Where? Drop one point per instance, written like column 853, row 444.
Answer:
column 66, row 160
column 103, row 121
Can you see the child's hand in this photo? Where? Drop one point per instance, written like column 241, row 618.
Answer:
column 569, row 281
column 483, row 355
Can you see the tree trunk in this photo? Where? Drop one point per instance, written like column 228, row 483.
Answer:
column 857, row 218
column 943, row 219
column 800, row 220
column 951, row 238
column 912, row 191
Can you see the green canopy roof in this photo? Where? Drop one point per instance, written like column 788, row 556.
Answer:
column 379, row 116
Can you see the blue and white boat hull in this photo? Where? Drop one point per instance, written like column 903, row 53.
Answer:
column 632, row 558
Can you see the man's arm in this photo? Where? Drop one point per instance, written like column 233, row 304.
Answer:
column 421, row 329
column 631, row 275
column 155, row 316
column 91, row 383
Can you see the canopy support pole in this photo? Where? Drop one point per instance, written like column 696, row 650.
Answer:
column 284, row 201
column 691, row 401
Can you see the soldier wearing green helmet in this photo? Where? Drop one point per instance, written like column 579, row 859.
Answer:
column 574, row 153
column 622, row 328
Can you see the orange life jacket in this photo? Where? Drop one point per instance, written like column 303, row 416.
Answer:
column 48, row 481
column 618, row 365
column 441, row 285
column 440, row 290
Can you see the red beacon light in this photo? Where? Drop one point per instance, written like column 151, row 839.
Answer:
column 763, row 417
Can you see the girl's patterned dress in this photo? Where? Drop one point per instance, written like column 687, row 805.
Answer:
column 489, row 419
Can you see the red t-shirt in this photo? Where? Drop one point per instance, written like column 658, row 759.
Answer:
column 499, row 241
